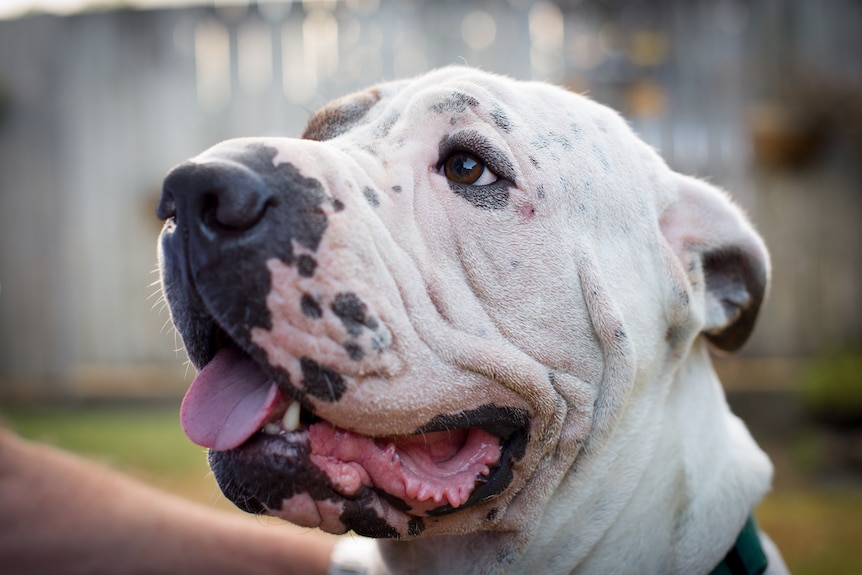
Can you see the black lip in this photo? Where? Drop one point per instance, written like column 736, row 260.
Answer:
column 513, row 448
column 258, row 475
column 503, row 422
column 214, row 338
column 264, row 470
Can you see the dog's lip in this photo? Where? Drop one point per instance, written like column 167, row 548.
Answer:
column 450, row 462
column 303, row 461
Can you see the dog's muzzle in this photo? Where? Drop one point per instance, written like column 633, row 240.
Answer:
column 226, row 215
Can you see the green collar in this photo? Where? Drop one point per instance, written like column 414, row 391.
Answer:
column 746, row 557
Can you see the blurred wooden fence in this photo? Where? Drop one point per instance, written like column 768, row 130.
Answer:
column 96, row 107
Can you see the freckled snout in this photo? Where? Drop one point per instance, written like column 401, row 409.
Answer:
column 227, row 213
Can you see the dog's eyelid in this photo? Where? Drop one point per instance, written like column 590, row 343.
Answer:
column 474, row 143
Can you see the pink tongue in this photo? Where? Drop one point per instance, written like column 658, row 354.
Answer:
column 229, row 400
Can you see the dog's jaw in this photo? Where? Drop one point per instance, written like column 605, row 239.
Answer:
column 582, row 335
column 320, row 475
column 597, row 515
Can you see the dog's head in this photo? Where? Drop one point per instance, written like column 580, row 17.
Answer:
column 414, row 319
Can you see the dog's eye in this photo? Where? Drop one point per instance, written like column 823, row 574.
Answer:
column 466, row 169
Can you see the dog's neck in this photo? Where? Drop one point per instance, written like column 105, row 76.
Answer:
column 645, row 502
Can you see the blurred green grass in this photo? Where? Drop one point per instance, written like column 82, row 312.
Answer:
column 146, row 442
column 129, row 438
column 818, row 530
column 817, row 527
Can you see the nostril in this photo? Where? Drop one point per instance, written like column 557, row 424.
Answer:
column 167, row 207
column 234, row 208
column 216, row 197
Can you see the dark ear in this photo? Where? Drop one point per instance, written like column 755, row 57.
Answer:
column 338, row 116
column 724, row 258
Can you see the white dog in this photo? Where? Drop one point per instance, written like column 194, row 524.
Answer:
column 471, row 317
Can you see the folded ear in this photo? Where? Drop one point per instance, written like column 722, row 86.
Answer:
column 723, row 258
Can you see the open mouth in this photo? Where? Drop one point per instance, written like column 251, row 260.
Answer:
column 238, row 411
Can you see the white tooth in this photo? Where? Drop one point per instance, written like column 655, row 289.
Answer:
column 271, row 428
column 290, row 421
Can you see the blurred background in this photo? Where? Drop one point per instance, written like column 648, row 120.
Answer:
column 98, row 99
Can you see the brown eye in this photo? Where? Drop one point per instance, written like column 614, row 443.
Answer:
column 465, row 169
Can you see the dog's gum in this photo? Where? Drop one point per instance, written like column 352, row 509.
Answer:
column 432, row 467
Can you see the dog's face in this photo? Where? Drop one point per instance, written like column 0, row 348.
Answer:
column 416, row 318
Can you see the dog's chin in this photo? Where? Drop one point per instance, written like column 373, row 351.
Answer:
column 273, row 455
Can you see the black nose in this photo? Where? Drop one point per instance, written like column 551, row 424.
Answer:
column 218, row 198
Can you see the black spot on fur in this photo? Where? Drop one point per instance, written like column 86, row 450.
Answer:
column 353, row 313
column 354, row 351
column 506, row 556
column 396, row 189
column 415, row 527
column 339, row 116
column 552, row 141
column 601, row 157
column 456, row 102
column 492, row 514
column 541, row 142
column 364, row 520
column 337, row 205
column 501, row 119
column 682, row 295
column 305, row 265
column 491, row 197
column 561, row 140
column 371, row 196
column 310, row 307
column 383, row 128
column 577, row 131
column 321, row 382
column 379, row 343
